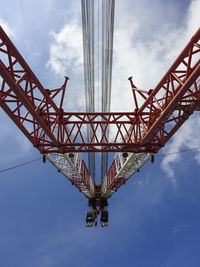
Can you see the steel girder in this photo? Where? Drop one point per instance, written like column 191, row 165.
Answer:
column 145, row 130
column 44, row 123
column 121, row 170
column 75, row 170
column 172, row 101
column 29, row 105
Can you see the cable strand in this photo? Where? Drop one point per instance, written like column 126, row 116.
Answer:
column 20, row 165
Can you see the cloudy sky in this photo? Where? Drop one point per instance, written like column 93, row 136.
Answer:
column 154, row 219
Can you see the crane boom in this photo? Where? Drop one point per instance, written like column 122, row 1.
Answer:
column 44, row 123
column 24, row 98
column 164, row 110
column 139, row 134
column 121, row 169
column 75, row 170
column 29, row 105
column 168, row 106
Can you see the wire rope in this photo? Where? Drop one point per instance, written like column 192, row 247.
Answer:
column 108, row 7
column 20, row 165
column 107, row 31
column 159, row 155
column 89, row 70
column 179, row 152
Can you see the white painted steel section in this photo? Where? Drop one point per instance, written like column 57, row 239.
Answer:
column 125, row 167
column 71, row 169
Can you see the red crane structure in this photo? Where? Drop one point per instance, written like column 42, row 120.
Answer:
column 61, row 135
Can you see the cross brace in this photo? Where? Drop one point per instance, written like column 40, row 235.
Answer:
column 29, row 105
column 145, row 130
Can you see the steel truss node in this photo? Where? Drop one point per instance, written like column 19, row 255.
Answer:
column 164, row 110
column 121, row 170
column 139, row 133
column 75, row 170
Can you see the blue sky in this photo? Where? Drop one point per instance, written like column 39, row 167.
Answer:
column 154, row 219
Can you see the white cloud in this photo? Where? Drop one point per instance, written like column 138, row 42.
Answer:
column 142, row 50
column 6, row 28
column 193, row 18
column 66, row 59
column 187, row 137
column 148, row 58
column 145, row 58
column 66, row 50
column 16, row 141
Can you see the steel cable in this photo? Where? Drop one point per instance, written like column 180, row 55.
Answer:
column 89, row 71
column 107, row 31
column 20, row 165
column 108, row 8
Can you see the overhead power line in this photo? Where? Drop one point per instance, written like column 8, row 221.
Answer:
column 20, row 165
column 165, row 154
column 179, row 152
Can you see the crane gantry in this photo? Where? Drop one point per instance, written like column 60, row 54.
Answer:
column 136, row 136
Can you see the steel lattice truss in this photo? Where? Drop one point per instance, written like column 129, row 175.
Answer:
column 29, row 105
column 75, row 171
column 145, row 130
column 121, row 170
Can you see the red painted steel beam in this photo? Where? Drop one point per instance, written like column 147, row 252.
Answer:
column 146, row 129
column 18, row 90
column 168, row 106
column 15, row 53
column 180, row 86
column 29, row 106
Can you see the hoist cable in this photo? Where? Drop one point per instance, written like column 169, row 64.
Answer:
column 89, row 71
column 108, row 7
column 106, row 43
